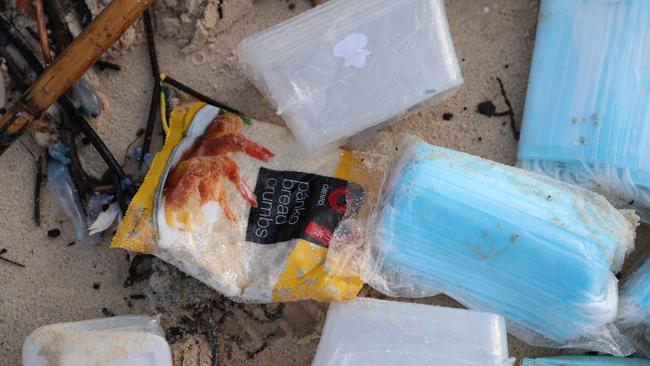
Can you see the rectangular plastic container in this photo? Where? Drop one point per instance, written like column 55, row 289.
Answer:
column 587, row 116
column 375, row 332
column 131, row 340
column 350, row 65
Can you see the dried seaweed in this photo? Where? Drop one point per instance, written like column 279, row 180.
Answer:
column 3, row 251
column 511, row 111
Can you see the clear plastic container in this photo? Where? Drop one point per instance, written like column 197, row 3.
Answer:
column 375, row 332
column 349, row 65
column 538, row 251
column 132, row 340
column 587, row 116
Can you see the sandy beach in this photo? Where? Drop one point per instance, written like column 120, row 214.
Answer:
column 61, row 282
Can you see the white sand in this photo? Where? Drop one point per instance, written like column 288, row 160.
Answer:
column 57, row 284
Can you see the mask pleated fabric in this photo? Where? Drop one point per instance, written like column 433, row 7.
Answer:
column 587, row 116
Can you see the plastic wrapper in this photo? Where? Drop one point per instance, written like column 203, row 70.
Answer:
column 236, row 204
column 584, row 361
column 587, row 117
column 538, row 251
column 347, row 66
column 368, row 332
column 132, row 340
column 635, row 297
column 634, row 308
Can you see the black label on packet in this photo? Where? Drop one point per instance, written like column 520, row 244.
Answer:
column 295, row 205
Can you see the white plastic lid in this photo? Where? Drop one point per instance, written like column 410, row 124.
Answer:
column 118, row 341
column 370, row 332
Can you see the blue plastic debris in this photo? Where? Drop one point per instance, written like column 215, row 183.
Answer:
column 59, row 183
column 59, row 152
column 584, row 361
column 538, row 251
column 85, row 99
column 587, row 116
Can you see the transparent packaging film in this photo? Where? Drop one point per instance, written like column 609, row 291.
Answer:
column 540, row 252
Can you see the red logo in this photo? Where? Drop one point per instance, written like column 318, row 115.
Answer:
column 336, row 199
column 318, row 232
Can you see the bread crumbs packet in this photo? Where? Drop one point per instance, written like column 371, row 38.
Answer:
column 237, row 204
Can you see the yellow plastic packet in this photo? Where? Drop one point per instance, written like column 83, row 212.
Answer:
column 238, row 205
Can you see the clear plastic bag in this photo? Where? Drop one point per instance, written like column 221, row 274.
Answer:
column 496, row 238
column 236, row 204
column 368, row 332
column 131, row 340
column 587, row 117
column 347, row 66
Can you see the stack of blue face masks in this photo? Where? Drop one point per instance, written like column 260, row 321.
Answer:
column 584, row 361
column 587, row 116
column 500, row 239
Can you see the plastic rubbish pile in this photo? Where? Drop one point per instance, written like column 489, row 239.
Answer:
column 267, row 214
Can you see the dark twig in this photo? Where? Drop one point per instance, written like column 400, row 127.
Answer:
column 42, row 32
column 83, row 12
column 105, row 65
column 511, row 111
column 19, row 43
column 213, row 337
column 3, row 251
column 202, row 97
column 38, row 161
column 126, row 154
column 61, row 35
column 154, row 106
column 220, row 9
column 37, row 191
column 151, row 42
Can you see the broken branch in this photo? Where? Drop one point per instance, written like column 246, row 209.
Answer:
column 70, row 66
column 42, row 32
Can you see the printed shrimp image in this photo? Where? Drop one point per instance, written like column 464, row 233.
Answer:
column 207, row 168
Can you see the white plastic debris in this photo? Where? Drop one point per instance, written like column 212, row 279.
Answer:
column 117, row 341
column 105, row 219
column 587, row 116
column 382, row 333
column 347, row 66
